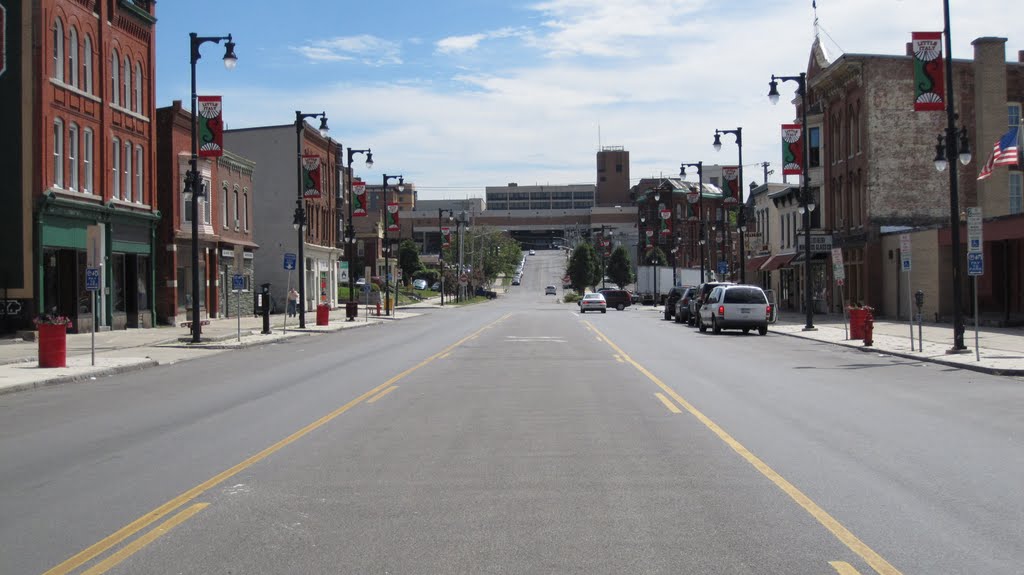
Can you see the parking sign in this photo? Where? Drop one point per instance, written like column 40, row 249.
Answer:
column 975, row 264
column 289, row 261
column 238, row 282
column 92, row 279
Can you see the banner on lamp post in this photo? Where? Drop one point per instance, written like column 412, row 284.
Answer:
column 391, row 218
column 792, row 150
column 446, row 237
column 929, row 79
column 359, row 199
column 666, row 222
column 311, row 177
column 731, row 175
column 210, row 126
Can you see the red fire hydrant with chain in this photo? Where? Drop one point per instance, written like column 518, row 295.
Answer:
column 869, row 326
column 378, row 308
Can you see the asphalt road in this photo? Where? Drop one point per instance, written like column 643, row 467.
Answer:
column 518, row 436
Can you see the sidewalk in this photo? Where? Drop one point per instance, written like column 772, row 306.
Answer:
column 1001, row 350
column 127, row 350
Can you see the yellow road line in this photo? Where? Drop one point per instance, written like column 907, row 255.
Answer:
column 844, row 568
column 130, row 549
column 87, row 554
column 382, row 394
column 671, row 406
column 618, row 358
column 844, row 535
column 443, row 356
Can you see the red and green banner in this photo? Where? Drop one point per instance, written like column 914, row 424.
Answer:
column 311, row 177
column 210, row 124
column 731, row 187
column 359, row 198
column 666, row 222
column 648, row 239
column 446, row 237
column 391, row 218
column 929, row 84
column 792, row 150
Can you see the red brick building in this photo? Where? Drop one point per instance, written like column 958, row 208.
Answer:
column 226, row 225
column 92, row 157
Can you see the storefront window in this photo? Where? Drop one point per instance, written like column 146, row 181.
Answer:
column 143, row 282
column 117, row 281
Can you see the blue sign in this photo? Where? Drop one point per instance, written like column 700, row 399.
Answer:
column 289, row 261
column 723, row 267
column 975, row 264
column 92, row 279
column 238, row 282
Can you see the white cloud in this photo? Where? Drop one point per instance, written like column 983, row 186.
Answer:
column 368, row 49
column 456, row 44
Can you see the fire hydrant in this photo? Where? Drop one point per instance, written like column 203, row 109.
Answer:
column 869, row 327
column 378, row 308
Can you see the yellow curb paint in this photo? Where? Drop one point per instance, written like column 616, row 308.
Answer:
column 382, row 394
column 130, row 549
column 91, row 552
column 671, row 406
column 844, row 535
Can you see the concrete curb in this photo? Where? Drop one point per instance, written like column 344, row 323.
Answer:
column 930, row 359
column 80, row 376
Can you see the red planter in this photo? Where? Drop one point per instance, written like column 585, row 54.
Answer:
column 53, row 348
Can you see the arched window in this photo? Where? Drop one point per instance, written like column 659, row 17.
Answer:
column 58, row 152
column 115, row 165
column 224, row 206
column 115, row 79
column 73, row 156
column 87, row 65
column 127, row 171
column 245, row 210
column 72, row 51
column 87, row 161
column 58, row 50
column 139, row 163
column 127, row 83
column 235, row 223
column 138, row 88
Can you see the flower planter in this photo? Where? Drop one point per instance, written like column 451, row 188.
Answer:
column 52, row 345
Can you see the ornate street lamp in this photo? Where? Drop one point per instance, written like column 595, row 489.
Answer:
column 806, row 200
column 387, row 251
column 192, row 184
column 350, row 230
column 440, row 249
column 738, row 132
column 300, row 128
column 700, row 207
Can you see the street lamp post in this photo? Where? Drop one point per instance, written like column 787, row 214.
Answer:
column 387, row 268
column 192, row 184
column 350, row 230
column 956, row 144
column 440, row 249
column 806, row 200
column 700, row 207
column 738, row 132
column 300, row 202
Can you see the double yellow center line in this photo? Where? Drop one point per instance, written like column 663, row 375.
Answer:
column 115, row 538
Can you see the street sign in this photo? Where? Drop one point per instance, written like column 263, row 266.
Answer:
column 905, row 252
column 975, row 264
column 289, row 261
column 974, row 226
column 238, row 282
column 92, row 279
column 463, row 279
column 838, row 271
column 723, row 267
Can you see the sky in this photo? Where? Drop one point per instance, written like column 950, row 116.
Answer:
column 458, row 95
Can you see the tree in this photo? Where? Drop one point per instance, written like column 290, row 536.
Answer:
column 408, row 260
column 655, row 257
column 582, row 266
column 620, row 268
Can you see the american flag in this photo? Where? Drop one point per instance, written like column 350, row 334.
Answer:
column 1004, row 153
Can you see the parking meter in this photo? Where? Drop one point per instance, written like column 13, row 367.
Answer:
column 919, row 300
column 265, row 309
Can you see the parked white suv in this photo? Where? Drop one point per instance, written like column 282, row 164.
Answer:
column 743, row 307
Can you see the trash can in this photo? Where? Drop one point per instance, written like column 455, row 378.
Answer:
column 351, row 310
column 857, row 318
column 323, row 314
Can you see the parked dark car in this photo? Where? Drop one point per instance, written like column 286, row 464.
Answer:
column 682, row 313
column 619, row 299
column 674, row 295
column 698, row 300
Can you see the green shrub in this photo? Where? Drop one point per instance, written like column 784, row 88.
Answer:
column 570, row 297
